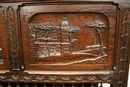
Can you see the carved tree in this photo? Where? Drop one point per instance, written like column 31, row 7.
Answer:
column 97, row 26
column 47, row 27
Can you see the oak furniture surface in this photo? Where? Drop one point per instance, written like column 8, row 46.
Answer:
column 65, row 42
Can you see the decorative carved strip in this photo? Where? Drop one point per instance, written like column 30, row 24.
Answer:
column 14, row 49
column 56, row 78
column 124, row 48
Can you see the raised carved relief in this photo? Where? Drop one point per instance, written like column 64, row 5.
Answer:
column 124, row 48
column 14, row 48
column 97, row 25
column 56, row 44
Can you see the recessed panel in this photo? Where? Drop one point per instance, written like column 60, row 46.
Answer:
column 55, row 37
column 68, row 39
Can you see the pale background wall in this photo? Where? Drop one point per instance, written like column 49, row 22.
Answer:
column 107, row 85
column 129, row 78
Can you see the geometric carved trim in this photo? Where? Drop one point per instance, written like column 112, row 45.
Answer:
column 24, row 77
column 14, row 49
column 124, row 48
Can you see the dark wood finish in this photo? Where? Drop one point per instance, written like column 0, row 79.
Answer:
column 74, row 55
column 66, row 41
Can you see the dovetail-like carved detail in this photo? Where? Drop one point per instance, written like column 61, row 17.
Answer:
column 53, row 44
column 91, row 78
column 53, row 78
column 124, row 48
column 103, row 77
column 79, row 78
column 56, row 78
column 3, row 77
column 66, row 78
column 27, row 77
column 14, row 49
column 40, row 77
column 15, row 77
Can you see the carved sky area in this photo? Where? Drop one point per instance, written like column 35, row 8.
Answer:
column 73, row 38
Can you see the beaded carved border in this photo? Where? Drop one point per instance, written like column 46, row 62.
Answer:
column 56, row 78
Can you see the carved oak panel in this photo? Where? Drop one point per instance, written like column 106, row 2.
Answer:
column 78, row 41
column 63, row 44
column 79, row 37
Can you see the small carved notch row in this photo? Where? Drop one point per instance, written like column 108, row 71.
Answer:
column 97, row 26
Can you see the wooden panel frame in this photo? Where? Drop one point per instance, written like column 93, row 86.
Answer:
column 122, row 58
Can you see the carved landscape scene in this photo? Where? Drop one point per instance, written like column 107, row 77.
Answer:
column 68, row 38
